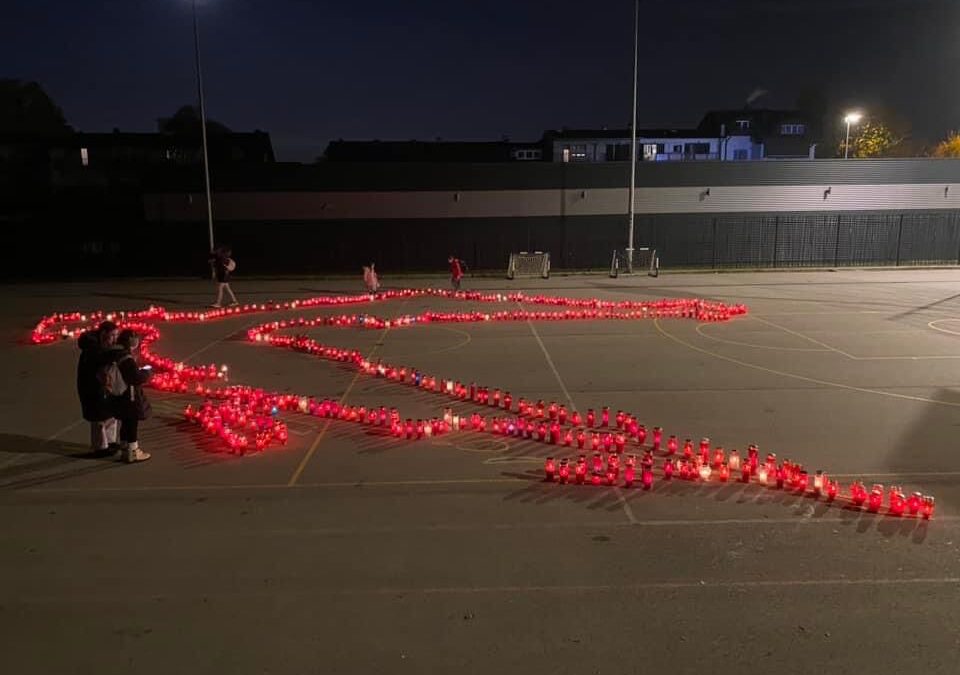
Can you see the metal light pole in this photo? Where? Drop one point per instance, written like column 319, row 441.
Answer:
column 203, row 122
column 851, row 118
column 633, row 139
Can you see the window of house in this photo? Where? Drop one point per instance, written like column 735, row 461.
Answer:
column 566, row 154
column 84, row 157
column 697, row 149
column 649, row 152
column 743, row 125
column 678, row 148
column 578, row 153
column 792, row 129
column 740, row 154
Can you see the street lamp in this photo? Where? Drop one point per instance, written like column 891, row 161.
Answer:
column 203, row 122
column 633, row 139
column 851, row 118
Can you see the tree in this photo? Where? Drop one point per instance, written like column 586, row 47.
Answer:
column 948, row 147
column 186, row 122
column 873, row 139
column 26, row 108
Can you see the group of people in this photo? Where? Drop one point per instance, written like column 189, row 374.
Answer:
column 457, row 267
column 110, row 386
column 110, row 379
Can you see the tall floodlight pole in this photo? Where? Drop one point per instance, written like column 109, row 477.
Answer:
column 633, row 139
column 203, row 123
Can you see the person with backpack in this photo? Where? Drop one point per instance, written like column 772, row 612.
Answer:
column 456, row 271
column 128, row 401
column 95, row 346
column 223, row 266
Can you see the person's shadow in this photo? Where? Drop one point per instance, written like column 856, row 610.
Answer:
column 26, row 461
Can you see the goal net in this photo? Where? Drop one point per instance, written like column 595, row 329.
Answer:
column 524, row 264
column 644, row 260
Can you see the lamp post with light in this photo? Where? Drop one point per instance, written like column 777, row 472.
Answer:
column 850, row 118
column 631, row 200
column 203, row 123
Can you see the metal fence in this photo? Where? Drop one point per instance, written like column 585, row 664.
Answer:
column 806, row 240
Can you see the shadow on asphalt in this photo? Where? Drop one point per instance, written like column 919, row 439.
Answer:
column 802, row 507
column 47, row 461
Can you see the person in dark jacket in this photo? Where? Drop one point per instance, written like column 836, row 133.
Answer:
column 94, row 347
column 223, row 265
column 131, row 407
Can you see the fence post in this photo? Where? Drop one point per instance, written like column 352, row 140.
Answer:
column 899, row 239
column 776, row 238
column 714, row 243
column 836, row 243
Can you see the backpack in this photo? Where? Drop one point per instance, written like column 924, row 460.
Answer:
column 111, row 379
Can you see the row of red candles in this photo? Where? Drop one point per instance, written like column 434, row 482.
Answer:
column 243, row 410
column 783, row 476
column 702, row 310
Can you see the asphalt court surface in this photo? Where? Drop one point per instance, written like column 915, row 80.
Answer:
column 348, row 551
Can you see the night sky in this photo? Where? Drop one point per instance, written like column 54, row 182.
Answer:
column 309, row 72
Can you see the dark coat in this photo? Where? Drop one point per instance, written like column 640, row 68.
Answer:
column 94, row 402
column 220, row 271
column 129, row 404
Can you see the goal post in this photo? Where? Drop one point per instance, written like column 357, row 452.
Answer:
column 526, row 264
column 644, row 259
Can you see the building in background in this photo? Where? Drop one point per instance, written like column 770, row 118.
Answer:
column 432, row 151
column 722, row 135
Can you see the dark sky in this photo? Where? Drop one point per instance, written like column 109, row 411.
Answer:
column 308, row 72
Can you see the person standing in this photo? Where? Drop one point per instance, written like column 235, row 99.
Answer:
column 132, row 406
column 370, row 279
column 94, row 404
column 456, row 271
column 223, row 266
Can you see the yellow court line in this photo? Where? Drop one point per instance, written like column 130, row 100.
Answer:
column 750, row 344
column 804, row 337
column 931, row 324
column 323, row 431
column 803, row 378
column 853, row 357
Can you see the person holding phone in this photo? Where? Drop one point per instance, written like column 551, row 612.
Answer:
column 132, row 406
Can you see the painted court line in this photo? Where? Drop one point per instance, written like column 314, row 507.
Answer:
column 853, row 357
column 655, row 586
column 553, row 367
column 360, row 483
column 804, row 337
column 802, row 378
column 627, row 510
column 326, row 426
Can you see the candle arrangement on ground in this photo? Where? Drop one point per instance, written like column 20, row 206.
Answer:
column 247, row 419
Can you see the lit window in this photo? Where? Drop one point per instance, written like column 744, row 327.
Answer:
column 792, row 129
column 84, row 157
column 649, row 152
column 743, row 125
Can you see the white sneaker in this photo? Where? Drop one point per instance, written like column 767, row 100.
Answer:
column 217, row 305
column 132, row 454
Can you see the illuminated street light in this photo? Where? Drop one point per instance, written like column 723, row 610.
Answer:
column 851, row 118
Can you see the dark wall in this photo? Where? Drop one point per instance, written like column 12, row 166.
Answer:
column 101, row 230
column 769, row 240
